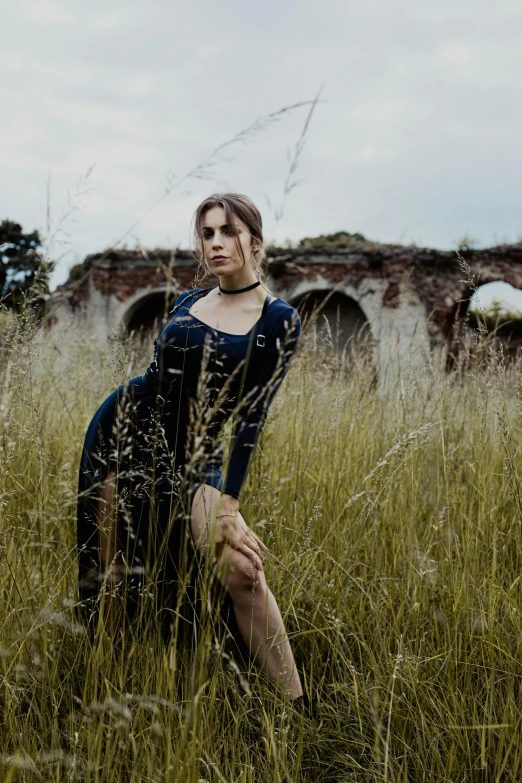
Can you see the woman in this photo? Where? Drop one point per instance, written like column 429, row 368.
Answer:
column 154, row 445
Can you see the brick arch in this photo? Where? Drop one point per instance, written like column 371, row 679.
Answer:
column 147, row 306
column 346, row 316
column 508, row 328
column 460, row 307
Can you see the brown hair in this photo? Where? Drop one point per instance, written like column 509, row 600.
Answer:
column 240, row 206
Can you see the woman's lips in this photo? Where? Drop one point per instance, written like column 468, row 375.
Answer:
column 219, row 258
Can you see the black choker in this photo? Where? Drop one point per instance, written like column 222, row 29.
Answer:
column 238, row 290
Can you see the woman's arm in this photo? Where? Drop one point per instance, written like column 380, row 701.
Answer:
column 270, row 366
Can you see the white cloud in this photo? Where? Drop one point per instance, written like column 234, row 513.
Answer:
column 139, row 85
column 106, row 21
column 461, row 55
column 381, row 112
column 45, row 12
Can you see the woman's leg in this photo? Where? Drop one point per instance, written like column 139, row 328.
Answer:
column 111, row 561
column 257, row 613
column 107, row 532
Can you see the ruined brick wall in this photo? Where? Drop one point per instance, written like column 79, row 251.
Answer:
column 436, row 276
column 433, row 277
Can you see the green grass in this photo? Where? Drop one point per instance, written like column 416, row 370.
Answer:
column 394, row 523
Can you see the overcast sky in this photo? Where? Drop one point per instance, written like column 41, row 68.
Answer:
column 417, row 136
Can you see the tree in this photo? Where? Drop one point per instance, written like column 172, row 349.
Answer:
column 20, row 263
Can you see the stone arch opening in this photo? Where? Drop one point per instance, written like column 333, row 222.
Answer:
column 497, row 306
column 150, row 313
column 346, row 319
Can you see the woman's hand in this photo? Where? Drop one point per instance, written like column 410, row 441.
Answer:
column 230, row 528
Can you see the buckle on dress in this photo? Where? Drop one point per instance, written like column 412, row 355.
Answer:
column 262, row 338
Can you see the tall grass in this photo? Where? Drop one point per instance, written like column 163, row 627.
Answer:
column 394, row 524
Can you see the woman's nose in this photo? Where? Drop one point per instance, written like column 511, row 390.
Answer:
column 217, row 241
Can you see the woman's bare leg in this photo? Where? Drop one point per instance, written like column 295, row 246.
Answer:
column 256, row 610
column 110, row 555
column 261, row 626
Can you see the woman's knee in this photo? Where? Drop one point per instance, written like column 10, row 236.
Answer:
column 236, row 572
column 239, row 575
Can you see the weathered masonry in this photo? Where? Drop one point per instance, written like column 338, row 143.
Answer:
column 407, row 298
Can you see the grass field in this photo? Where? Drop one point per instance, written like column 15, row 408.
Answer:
column 394, row 524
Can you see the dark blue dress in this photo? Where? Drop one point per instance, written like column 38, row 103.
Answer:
column 160, row 434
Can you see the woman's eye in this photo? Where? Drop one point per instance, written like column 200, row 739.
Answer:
column 229, row 232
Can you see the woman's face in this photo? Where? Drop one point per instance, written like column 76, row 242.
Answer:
column 219, row 243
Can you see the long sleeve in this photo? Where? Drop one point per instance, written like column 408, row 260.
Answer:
column 266, row 376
